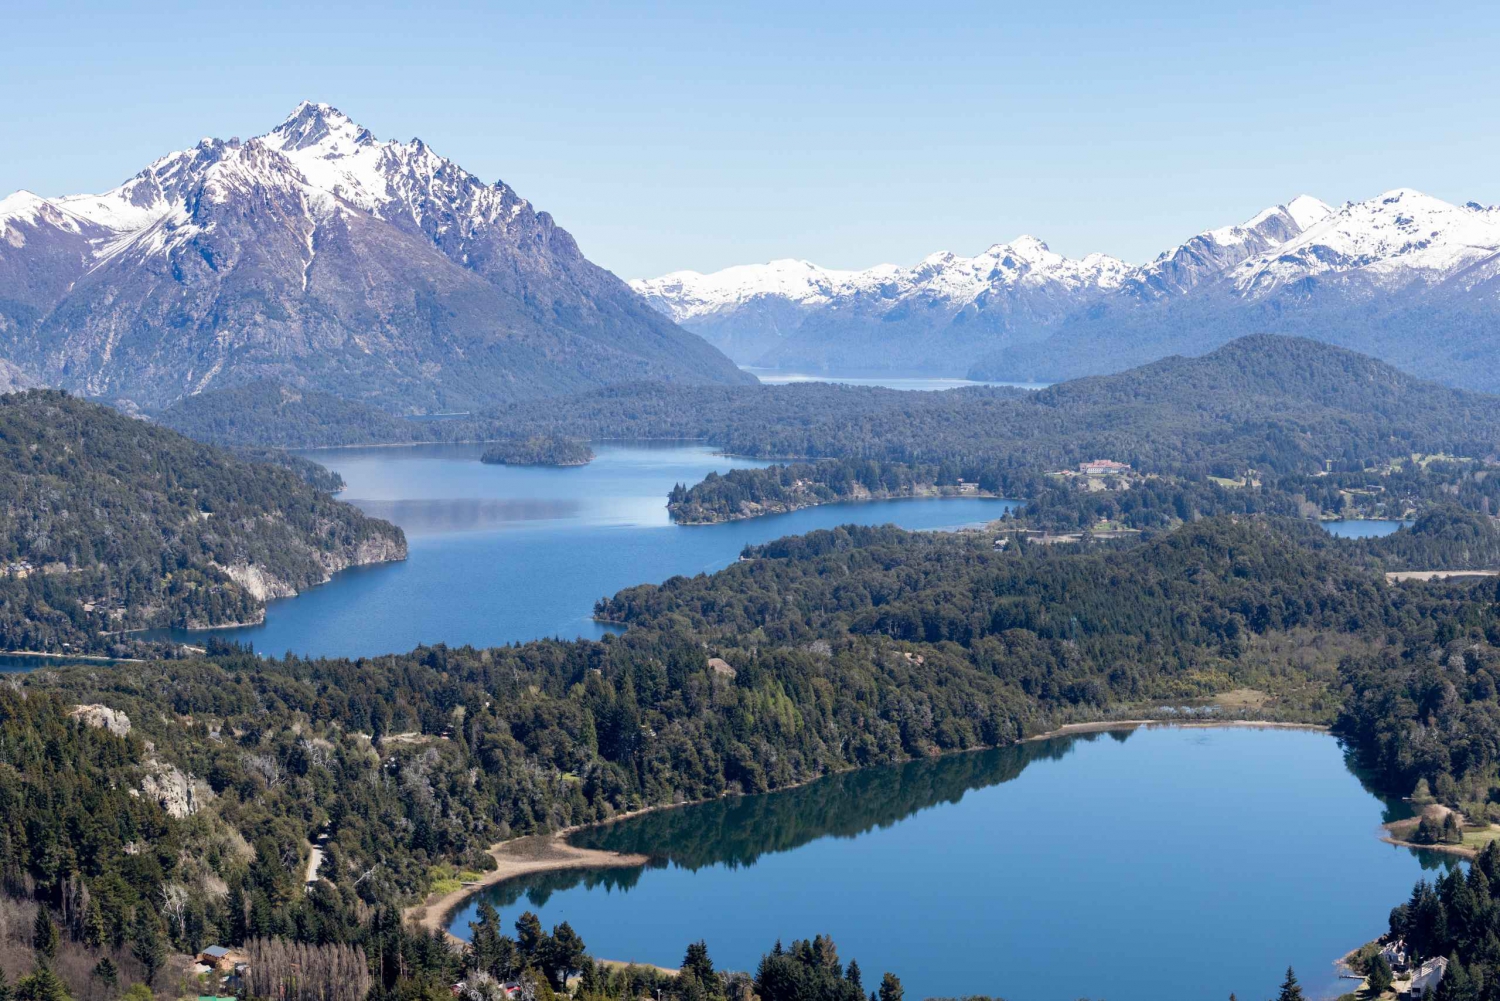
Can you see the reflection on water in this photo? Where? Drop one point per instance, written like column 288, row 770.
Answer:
column 1017, row 855
column 738, row 830
column 502, row 554
column 1362, row 528
column 429, row 516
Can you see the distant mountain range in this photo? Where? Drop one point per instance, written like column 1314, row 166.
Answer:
column 319, row 256
column 1405, row 277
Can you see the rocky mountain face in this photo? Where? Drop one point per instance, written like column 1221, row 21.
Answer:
column 322, row 257
column 1405, row 277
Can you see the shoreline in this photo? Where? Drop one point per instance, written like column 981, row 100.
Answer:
column 793, row 508
column 529, row 854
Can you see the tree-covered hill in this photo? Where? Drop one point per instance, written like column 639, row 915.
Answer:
column 815, row 654
column 109, row 523
column 1270, row 402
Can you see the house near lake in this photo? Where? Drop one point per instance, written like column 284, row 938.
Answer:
column 1425, row 979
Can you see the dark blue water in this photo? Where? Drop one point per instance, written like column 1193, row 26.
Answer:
column 1175, row 863
column 503, row 554
column 1362, row 528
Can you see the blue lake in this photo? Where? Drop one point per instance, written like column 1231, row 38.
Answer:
column 1163, row 863
column 1362, row 528
column 502, row 554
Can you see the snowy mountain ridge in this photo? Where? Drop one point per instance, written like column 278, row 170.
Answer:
column 1020, row 311
column 317, row 254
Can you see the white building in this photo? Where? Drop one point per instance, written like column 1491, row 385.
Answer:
column 1426, row 978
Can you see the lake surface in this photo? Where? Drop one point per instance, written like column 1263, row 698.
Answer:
column 502, row 554
column 1162, row 863
column 1362, row 528
column 780, row 377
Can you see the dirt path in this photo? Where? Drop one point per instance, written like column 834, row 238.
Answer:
column 519, row 857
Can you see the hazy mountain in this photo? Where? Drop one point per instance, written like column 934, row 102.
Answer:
column 1404, row 277
column 320, row 256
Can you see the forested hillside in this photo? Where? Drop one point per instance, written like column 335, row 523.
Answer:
column 109, row 524
column 812, row 655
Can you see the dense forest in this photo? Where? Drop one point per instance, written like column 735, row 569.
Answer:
column 109, row 524
column 812, row 655
column 159, row 806
column 539, row 450
column 1263, row 402
column 749, row 493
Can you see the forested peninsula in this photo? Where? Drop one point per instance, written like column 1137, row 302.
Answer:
column 111, row 524
column 750, row 493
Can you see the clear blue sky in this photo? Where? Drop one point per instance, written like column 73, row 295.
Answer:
column 701, row 135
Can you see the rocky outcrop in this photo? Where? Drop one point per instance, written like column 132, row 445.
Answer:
column 179, row 794
column 103, row 718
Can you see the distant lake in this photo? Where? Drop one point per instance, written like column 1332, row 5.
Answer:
column 779, row 377
column 1362, row 528
column 502, row 554
column 1164, row 863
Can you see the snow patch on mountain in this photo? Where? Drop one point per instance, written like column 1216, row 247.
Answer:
column 1025, row 261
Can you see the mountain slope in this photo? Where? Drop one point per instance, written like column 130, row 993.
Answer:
column 322, row 257
column 109, row 523
column 1403, row 276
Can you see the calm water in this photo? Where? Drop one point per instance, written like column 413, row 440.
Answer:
column 1362, row 528
column 780, row 377
column 503, row 554
column 1166, row 863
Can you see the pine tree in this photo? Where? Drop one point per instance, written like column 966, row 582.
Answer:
column 106, row 974
column 1378, row 975
column 565, row 953
column 484, row 941
column 697, row 960
column 1290, row 989
column 852, row 975
column 41, row 985
column 529, row 936
column 146, row 944
column 44, row 934
column 236, row 928
column 5, row 989
column 890, row 988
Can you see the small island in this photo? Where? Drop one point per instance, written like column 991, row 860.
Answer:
column 539, row 450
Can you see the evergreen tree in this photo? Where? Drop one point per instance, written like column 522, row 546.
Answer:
column 565, row 954
column 1378, row 975
column 106, row 974
column 236, row 928
column 529, row 937
column 41, row 985
column 1290, row 989
column 698, row 962
column 485, row 941
column 890, row 988
column 44, row 934
column 5, row 988
column 852, row 975
column 146, row 944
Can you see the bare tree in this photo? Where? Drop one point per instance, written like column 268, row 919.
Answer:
column 290, row 971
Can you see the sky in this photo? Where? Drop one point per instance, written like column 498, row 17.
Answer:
column 692, row 135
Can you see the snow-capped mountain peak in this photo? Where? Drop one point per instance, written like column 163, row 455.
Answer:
column 318, row 253
column 1394, row 239
column 28, row 210
column 1308, row 211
